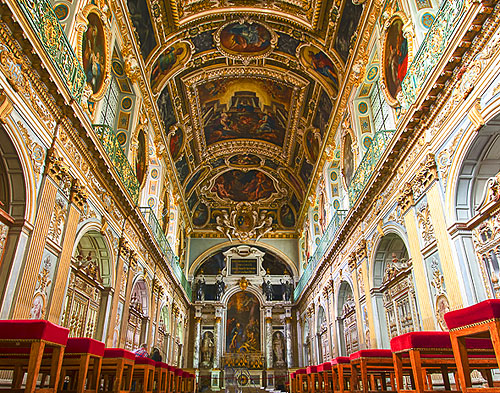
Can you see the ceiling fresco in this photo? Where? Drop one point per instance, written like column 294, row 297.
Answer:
column 245, row 95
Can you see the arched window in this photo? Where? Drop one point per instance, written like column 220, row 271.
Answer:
column 322, row 329
column 347, row 321
column 138, row 316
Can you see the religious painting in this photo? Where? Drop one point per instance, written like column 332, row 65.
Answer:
column 243, row 186
column 351, row 15
column 243, row 323
column 194, row 179
column 249, row 108
column 312, row 143
column 94, row 56
column 140, row 157
column 166, row 109
column 321, row 65
column 139, row 14
column 295, row 183
column 165, row 212
column 306, row 172
column 395, row 59
column 200, row 215
column 176, row 142
column 192, row 201
column 348, row 159
column 295, row 203
column 287, row 216
column 244, row 160
column 323, row 112
column 287, row 44
column 246, row 38
column 182, row 169
column 171, row 60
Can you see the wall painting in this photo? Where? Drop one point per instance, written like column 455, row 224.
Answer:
column 243, row 323
column 171, row 60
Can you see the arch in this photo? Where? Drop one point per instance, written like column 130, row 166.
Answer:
column 346, row 320
column 234, row 289
column 219, row 247
column 479, row 163
column 491, row 116
column 139, row 296
column 395, row 313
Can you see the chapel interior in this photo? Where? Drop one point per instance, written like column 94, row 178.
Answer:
column 289, row 195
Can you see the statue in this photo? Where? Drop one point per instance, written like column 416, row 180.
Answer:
column 278, row 349
column 207, row 350
column 267, row 289
column 200, row 289
column 220, row 286
column 286, row 288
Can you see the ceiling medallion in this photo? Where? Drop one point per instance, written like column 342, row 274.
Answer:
column 244, row 223
column 245, row 39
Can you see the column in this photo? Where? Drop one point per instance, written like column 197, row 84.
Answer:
column 362, row 257
column 334, row 350
column 197, row 340
column 288, row 338
column 126, row 307
column 450, row 272
column 215, row 382
column 355, row 290
column 77, row 201
column 269, row 337
column 54, row 174
column 407, row 205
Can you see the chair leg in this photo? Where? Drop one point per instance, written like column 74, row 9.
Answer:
column 416, row 366
column 35, row 361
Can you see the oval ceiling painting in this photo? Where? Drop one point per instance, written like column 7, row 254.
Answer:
column 243, row 186
column 171, row 60
column 321, row 65
column 245, row 38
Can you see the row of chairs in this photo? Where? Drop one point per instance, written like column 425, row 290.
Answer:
column 472, row 343
column 41, row 358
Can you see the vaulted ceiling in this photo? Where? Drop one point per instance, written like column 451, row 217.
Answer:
column 245, row 94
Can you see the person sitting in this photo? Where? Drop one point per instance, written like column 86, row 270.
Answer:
column 142, row 351
column 155, row 355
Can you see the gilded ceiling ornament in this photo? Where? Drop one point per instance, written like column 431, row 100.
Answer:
column 245, row 39
column 244, row 223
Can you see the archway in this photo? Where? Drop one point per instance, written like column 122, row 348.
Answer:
column 393, row 293
column 13, row 200
column 138, row 315
column 322, row 329
column 346, row 321
column 477, row 183
column 90, row 279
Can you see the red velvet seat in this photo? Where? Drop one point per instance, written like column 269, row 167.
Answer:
column 82, row 365
column 25, row 344
column 370, row 370
column 341, row 373
column 481, row 320
column 325, row 377
column 143, row 375
column 419, row 354
column 161, row 377
column 117, row 369
column 312, row 379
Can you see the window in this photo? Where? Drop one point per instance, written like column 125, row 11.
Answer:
column 109, row 105
column 381, row 111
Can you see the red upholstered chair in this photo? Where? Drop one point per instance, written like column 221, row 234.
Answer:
column 161, row 377
column 143, row 375
column 301, row 380
column 312, row 379
column 24, row 344
column 171, row 379
column 292, row 382
column 82, row 365
column 341, row 374
column 325, row 377
column 419, row 354
column 177, row 381
column 479, row 321
column 370, row 369
column 117, row 369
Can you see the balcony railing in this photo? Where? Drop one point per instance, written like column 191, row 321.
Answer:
column 430, row 51
column 120, row 161
column 368, row 163
column 162, row 241
column 42, row 19
column 321, row 249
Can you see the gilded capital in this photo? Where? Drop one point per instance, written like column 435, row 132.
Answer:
column 361, row 251
column 405, row 199
column 352, row 261
column 78, row 196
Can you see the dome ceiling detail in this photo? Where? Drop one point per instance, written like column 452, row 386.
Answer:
column 245, row 96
